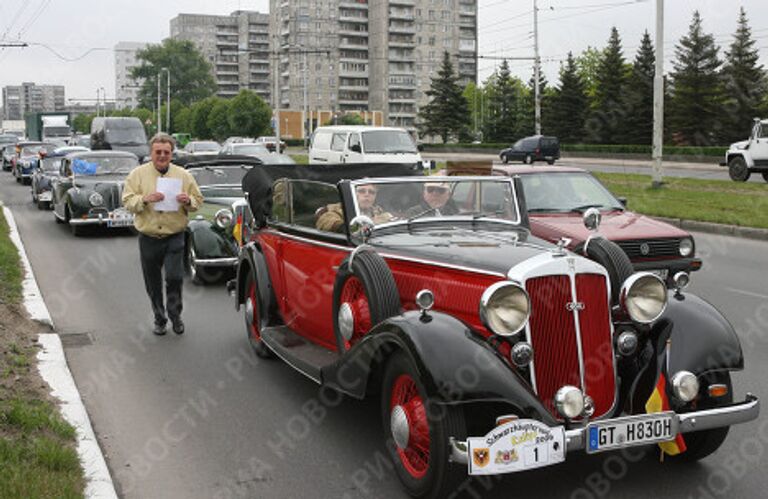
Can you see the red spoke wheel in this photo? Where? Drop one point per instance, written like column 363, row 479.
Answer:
column 417, row 432
column 254, row 320
column 363, row 296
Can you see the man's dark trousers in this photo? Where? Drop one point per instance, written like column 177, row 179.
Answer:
column 157, row 254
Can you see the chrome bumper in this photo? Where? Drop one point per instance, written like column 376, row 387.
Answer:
column 707, row 419
column 100, row 220
column 216, row 262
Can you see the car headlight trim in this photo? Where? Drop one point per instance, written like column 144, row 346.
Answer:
column 224, row 218
column 644, row 297
column 505, row 308
column 686, row 247
column 685, row 385
column 95, row 199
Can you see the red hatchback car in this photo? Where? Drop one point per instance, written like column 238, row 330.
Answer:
column 557, row 198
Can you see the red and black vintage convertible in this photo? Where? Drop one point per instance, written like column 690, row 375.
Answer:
column 492, row 351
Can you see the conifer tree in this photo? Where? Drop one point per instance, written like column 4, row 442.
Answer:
column 504, row 101
column 447, row 113
column 696, row 88
column 606, row 119
column 744, row 84
column 638, row 97
column 569, row 105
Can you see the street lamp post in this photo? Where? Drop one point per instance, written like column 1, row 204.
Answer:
column 167, row 99
column 104, row 101
column 98, row 101
column 159, row 111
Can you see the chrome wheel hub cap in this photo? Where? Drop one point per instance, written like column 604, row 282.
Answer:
column 400, row 429
column 249, row 312
column 346, row 321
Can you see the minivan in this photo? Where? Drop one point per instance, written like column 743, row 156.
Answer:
column 120, row 134
column 362, row 144
column 530, row 149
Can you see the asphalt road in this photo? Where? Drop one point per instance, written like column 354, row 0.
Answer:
column 199, row 416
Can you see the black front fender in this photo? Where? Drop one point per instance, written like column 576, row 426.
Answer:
column 701, row 338
column 455, row 364
column 210, row 242
column 253, row 263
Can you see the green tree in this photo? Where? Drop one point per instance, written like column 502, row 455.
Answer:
column 82, row 123
column 447, row 114
column 218, row 120
column 606, row 116
column 351, row 119
column 696, row 88
column 505, row 98
column 744, row 82
column 527, row 122
column 249, row 114
column 638, row 100
column 191, row 75
column 198, row 121
column 588, row 63
column 180, row 118
column 569, row 104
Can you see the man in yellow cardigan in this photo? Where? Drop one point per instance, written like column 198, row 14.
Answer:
column 161, row 231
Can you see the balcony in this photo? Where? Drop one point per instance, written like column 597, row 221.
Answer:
column 352, row 4
column 403, row 28
column 350, row 31
column 402, row 2
column 466, row 45
column 406, row 14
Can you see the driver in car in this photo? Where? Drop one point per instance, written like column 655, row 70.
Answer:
column 435, row 200
column 331, row 217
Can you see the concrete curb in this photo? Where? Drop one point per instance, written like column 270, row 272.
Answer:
column 720, row 229
column 52, row 365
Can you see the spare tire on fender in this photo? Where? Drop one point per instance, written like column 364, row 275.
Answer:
column 612, row 257
column 368, row 293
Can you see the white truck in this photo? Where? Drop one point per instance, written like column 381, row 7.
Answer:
column 56, row 127
column 749, row 156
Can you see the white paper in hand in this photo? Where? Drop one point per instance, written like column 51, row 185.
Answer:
column 170, row 187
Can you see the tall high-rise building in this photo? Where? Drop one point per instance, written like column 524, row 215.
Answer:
column 28, row 97
column 360, row 55
column 237, row 46
column 127, row 88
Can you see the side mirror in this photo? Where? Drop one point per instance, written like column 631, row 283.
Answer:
column 360, row 229
column 592, row 218
column 355, row 148
column 623, row 201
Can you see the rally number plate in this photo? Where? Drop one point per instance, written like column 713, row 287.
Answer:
column 632, row 430
column 120, row 218
column 516, row 446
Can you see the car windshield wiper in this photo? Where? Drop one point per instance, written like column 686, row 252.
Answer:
column 419, row 215
column 581, row 208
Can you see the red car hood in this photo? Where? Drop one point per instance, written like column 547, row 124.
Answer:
column 615, row 225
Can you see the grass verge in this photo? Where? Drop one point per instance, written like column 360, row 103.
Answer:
column 717, row 201
column 37, row 447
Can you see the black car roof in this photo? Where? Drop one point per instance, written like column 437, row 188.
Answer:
column 102, row 153
column 215, row 160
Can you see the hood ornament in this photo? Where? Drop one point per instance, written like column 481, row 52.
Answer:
column 562, row 246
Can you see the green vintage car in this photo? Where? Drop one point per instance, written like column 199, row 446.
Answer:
column 212, row 244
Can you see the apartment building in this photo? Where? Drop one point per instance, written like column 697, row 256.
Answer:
column 28, row 97
column 237, row 46
column 366, row 55
column 127, row 88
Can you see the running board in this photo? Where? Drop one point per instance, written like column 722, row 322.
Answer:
column 304, row 356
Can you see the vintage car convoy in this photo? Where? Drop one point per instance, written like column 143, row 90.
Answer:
column 46, row 169
column 491, row 350
column 88, row 189
column 558, row 198
column 213, row 231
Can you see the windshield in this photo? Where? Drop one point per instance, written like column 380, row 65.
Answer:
column 388, row 141
column 211, row 175
column 205, row 146
column 565, row 192
column 449, row 198
column 32, row 150
column 125, row 133
column 57, row 131
column 50, row 164
column 249, row 149
column 103, row 165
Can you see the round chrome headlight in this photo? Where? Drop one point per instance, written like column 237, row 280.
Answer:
column 644, row 297
column 95, row 199
column 685, row 386
column 425, row 299
column 592, row 218
column 224, row 218
column 686, row 247
column 569, row 401
column 682, row 280
column 505, row 308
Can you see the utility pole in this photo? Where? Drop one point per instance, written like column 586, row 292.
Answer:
column 104, row 101
column 658, row 98
column 304, row 109
column 168, row 99
column 536, row 69
column 159, row 115
column 277, row 91
column 98, row 102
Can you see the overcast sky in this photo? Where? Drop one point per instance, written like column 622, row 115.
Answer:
column 82, row 33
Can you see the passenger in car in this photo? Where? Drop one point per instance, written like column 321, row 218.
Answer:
column 331, row 217
column 436, row 197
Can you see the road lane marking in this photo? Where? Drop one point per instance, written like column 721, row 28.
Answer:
column 747, row 293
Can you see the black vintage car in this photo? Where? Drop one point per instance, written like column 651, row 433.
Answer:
column 46, row 170
column 89, row 187
column 212, row 236
column 492, row 351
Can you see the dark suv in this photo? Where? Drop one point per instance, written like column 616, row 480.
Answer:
column 530, row 149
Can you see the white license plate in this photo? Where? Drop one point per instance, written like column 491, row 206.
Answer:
column 120, row 218
column 516, row 446
column 632, row 430
column 45, row 196
column 660, row 272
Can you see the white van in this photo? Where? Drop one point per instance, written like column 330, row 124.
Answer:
column 362, row 144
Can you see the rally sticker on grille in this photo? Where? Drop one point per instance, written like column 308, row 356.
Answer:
column 516, row 446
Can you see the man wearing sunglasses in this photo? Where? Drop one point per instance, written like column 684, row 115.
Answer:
column 435, row 201
column 331, row 217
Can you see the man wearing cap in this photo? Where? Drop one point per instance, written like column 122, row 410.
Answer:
column 436, row 201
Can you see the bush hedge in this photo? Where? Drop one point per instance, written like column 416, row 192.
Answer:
column 596, row 148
